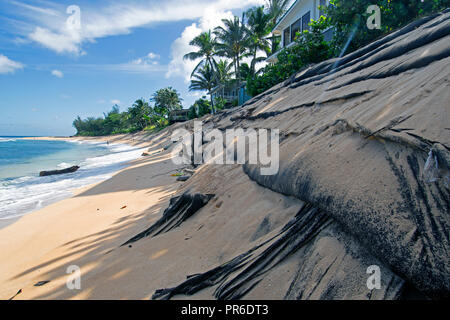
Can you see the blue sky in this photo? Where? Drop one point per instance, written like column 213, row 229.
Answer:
column 53, row 69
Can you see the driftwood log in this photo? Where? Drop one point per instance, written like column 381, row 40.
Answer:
column 54, row 172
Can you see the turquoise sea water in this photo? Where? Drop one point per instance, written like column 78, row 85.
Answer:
column 23, row 191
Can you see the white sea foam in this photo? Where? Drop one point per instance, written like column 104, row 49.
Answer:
column 25, row 194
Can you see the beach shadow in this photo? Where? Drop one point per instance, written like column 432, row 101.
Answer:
column 152, row 173
column 96, row 246
column 134, row 179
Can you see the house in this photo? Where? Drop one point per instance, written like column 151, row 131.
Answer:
column 178, row 116
column 231, row 93
column 227, row 92
column 297, row 19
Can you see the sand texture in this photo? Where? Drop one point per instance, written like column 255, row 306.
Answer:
column 351, row 192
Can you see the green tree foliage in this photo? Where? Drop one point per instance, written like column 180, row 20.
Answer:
column 258, row 27
column 112, row 120
column 199, row 108
column 139, row 114
column 345, row 16
column 275, row 9
column 192, row 113
column 220, row 103
column 206, row 45
column 138, row 117
column 232, row 42
column 246, row 71
column 204, row 80
column 166, row 100
column 310, row 48
column 223, row 71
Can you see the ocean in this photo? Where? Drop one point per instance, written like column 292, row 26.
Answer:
column 23, row 191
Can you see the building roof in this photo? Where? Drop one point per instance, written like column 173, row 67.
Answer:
column 179, row 112
column 286, row 13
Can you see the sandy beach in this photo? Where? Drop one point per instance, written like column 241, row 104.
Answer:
column 81, row 230
column 356, row 209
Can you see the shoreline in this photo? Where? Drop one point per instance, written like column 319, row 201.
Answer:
column 9, row 221
column 122, row 139
column 37, row 245
column 134, row 139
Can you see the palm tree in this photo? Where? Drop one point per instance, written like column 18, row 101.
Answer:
column 223, row 71
column 204, row 79
column 246, row 71
column 206, row 44
column 233, row 42
column 139, row 113
column 258, row 28
column 166, row 100
column 275, row 9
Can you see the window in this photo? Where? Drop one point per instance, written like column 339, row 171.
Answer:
column 295, row 27
column 287, row 36
column 306, row 20
column 322, row 3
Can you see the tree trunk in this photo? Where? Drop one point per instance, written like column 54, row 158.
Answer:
column 238, row 73
column 212, row 102
column 253, row 62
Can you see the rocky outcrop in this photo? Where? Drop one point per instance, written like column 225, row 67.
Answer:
column 55, row 172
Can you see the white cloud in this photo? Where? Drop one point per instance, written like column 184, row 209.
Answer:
column 133, row 67
column 46, row 11
column 115, row 101
column 49, row 27
column 144, row 65
column 211, row 17
column 60, row 42
column 178, row 66
column 57, row 73
column 9, row 66
column 152, row 55
column 136, row 66
column 149, row 59
column 195, row 94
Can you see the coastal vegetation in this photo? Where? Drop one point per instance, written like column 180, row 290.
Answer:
column 231, row 55
column 141, row 115
column 348, row 20
column 249, row 39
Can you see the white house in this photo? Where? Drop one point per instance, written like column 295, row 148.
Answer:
column 296, row 19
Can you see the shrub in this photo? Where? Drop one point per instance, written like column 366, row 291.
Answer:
column 346, row 15
column 310, row 47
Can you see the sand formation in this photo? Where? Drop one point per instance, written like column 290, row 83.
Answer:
column 365, row 147
column 363, row 181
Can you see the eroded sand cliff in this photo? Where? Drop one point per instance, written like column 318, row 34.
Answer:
column 351, row 192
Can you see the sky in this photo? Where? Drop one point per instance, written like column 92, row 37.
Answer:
column 61, row 59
